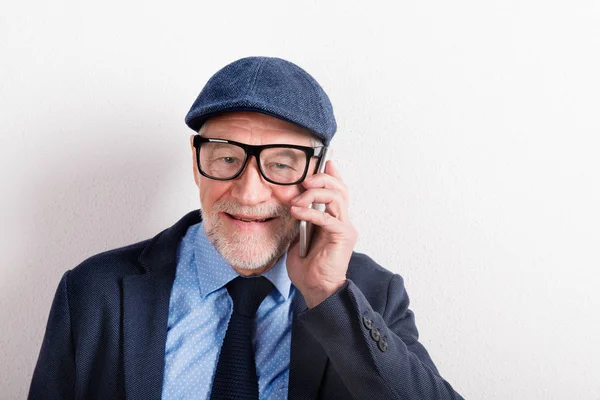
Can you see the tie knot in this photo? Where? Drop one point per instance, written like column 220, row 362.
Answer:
column 248, row 293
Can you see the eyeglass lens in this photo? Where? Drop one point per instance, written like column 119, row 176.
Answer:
column 279, row 164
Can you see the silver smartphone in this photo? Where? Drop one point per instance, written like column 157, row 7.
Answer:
column 306, row 228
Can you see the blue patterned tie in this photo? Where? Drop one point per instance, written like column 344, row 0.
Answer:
column 235, row 377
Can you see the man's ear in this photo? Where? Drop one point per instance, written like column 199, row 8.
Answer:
column 194, row 164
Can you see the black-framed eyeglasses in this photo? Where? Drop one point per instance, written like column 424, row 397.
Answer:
column 281, row 164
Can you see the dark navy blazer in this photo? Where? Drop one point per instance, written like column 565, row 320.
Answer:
column 107, row 330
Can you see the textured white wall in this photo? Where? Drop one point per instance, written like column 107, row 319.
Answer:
column 469, row 134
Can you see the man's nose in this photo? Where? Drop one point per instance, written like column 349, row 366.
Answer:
column 250, row 188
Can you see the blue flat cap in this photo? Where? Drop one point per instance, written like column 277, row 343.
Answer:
column 270, row 86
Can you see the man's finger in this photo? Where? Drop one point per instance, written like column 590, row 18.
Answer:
column 331, row 169
column 326, row 181
column 322, row 219
column 332, row 199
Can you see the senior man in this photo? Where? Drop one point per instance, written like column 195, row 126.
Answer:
column 221, row 305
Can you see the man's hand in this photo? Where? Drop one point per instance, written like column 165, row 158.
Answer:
column 323, row 271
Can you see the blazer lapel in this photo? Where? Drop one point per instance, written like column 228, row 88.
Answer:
column 146, row 312
column 145, row 317
column 307, row 359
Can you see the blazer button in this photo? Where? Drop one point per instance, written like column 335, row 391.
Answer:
column 382, row 344
column 367, row 323
column 375, row 334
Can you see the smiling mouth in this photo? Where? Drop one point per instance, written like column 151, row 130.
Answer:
column 249, row 219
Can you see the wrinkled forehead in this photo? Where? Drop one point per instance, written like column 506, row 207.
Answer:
column 256, row 128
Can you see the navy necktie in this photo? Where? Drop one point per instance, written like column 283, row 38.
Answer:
column 235, row 377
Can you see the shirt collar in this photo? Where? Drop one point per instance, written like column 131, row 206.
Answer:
column 279, row 277
column 214, row 271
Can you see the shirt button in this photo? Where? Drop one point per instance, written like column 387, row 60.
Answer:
column 382, row 344
column 367, row 323
column 375, row 334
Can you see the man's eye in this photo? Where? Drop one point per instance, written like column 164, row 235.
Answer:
column 280, row 166
column 228, row 160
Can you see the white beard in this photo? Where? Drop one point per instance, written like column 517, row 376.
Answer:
column 250, row 251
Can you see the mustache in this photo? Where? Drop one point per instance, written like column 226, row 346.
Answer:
column 262, row 211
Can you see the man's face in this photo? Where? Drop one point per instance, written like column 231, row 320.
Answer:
column 248, row 219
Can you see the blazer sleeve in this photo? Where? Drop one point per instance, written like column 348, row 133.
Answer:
column 377, row 355
column 54, row 374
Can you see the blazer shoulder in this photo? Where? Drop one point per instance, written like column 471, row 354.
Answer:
column 374, row 281
column 107, row 269
column 363, row 267
column 110, row 264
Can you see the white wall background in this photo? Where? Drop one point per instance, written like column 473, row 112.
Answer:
column 468, row 132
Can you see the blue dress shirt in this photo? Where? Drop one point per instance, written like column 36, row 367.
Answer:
column 199, row 312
